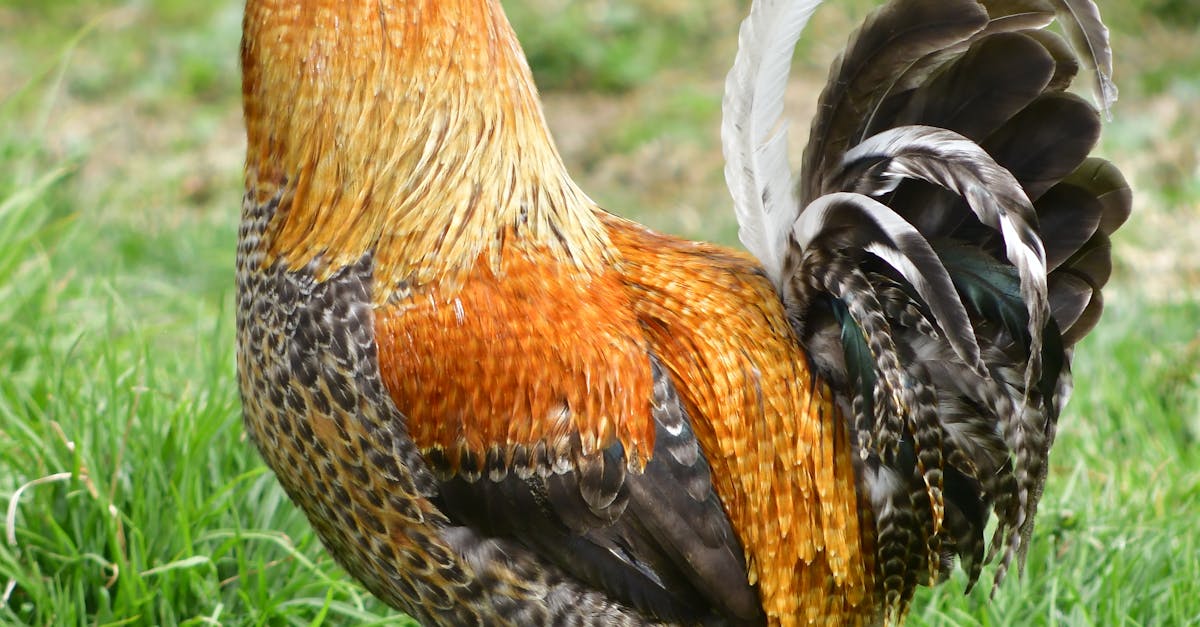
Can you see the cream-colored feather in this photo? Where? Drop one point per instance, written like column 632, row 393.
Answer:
column 753, row 133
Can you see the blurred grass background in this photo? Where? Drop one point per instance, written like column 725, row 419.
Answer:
column 131, row 495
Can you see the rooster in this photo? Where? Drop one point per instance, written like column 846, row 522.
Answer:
column 499, row 404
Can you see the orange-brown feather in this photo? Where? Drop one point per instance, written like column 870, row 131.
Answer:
column 535, row 353
column 776, row 443
column 409, row 129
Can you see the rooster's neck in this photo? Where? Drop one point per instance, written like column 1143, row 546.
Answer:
column 409, row 130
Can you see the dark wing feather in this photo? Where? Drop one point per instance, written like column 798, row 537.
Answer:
column 658, row 540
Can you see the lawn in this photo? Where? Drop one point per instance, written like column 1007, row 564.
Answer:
column 131, row 495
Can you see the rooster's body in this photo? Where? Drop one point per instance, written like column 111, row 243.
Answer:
column 499, row 404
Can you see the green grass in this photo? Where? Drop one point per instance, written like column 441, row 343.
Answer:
column 131, row 495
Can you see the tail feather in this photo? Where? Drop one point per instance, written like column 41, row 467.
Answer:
column 860, row 222
column 1089, row 36
column 1046, row 141
column 1066, row 66
column 977, row 93
column 1013, row 15
column 1074, row 214
column 1007, row 17
column 753, row 136
column 963, row 265
column 1093, row 264
column 1082, row 211
column 889, row 41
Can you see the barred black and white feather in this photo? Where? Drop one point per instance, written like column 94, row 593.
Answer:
column 948, row 245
